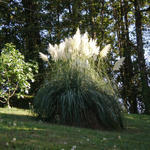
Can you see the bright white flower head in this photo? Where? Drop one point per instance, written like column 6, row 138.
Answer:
column 76, row 39
column 77, row 46
column 118, row 64
column 53, row 51
column 93, row 48
column 105, row 51
column 43, row 56
column 14, row 139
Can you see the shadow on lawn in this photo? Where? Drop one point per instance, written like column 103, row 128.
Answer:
column 133, row 123
column 18, row 117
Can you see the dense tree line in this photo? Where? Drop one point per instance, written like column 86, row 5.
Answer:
column 31, row 25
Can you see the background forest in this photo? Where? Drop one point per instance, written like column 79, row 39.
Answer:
column 32, row 24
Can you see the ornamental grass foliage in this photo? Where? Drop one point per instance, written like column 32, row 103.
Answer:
column 77, row 90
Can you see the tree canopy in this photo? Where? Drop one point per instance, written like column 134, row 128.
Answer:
column 31, row 25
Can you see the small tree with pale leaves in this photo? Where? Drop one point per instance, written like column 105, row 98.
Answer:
column 15, row 74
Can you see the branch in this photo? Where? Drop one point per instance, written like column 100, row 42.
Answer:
column 2, row 101
column 145, row 10
column 14, row 91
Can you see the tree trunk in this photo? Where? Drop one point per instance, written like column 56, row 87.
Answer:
column 131, row 92
column 8, row 103
column 32, row 41
column 141, row 60
column 128, row 91
column 118, row 27
column 31, row 30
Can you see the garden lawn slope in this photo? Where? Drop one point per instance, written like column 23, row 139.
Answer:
column 19, row 130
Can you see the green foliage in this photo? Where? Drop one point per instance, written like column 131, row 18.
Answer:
column 78, row 96
column 15, row 73
column 31, row 25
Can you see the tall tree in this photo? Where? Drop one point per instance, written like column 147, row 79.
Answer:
column 141, row 60
column 31, row 29
column 128, row 91
column 128, row 65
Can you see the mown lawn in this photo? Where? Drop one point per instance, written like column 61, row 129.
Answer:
column 20, row 130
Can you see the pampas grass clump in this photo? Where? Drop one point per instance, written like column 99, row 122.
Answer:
column 75, row 93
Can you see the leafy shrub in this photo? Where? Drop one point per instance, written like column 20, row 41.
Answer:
column 15, row 74
column 75, row 93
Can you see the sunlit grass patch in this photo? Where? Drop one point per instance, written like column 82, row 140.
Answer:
column 24, row 132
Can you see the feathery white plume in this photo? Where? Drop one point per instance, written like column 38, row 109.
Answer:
column 105, row 50
column 118, row 64
column 43, row 56
column 71, row 48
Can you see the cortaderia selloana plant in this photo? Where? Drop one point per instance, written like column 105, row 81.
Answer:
column 77, row 91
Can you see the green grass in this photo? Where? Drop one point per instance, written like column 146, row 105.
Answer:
column 20, row 130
